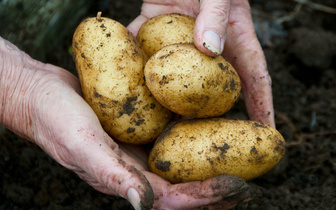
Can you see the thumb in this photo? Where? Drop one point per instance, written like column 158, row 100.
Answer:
column 211, row 25
column 104, row 166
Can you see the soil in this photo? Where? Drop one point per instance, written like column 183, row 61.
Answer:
column 300, row 46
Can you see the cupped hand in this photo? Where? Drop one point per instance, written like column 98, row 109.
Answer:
column 44, row 105
column 225, row 27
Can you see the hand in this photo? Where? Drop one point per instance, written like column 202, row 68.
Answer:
column 225, row 27
column 43, row 104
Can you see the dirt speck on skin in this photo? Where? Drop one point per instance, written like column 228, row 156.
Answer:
column 147, row 200
column 217, row 186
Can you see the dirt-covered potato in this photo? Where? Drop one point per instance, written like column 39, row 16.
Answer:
column 164, row 30
column 190, row 83
column 110, row 65
column 203, row 148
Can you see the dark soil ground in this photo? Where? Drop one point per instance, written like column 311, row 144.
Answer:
column 300, row 46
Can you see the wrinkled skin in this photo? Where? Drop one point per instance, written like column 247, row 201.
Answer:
column 43, row 103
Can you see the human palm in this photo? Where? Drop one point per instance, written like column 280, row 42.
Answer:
column 46, row 107
column 70, row 132
column 114, row 168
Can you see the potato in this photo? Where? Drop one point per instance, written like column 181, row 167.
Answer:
column 195, row 150
column 190, row 83
column 110, row 65
column 164, row 30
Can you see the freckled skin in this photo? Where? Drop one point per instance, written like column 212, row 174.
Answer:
column 198, row 149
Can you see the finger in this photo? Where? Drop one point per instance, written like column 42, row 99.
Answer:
column 211, row 25
column 191, row 195
column 103, row 166
column 245, row 196
column 244, row 52
column 82, row 145
column 135, row 25
column 218, row 190
column 229, row 202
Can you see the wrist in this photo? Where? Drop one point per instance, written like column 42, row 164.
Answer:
column 25, row 87
column 16, row 87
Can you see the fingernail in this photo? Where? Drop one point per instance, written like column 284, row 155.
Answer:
column 238, row 187
column 213, row 42
column 134, row 198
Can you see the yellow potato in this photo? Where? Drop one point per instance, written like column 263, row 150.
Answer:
column 195, row 150
column 190, row 83
column 110, row 65
column 164, row 30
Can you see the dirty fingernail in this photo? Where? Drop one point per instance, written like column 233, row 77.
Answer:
column 238, row 188
column 213, row 42
column 134, row 198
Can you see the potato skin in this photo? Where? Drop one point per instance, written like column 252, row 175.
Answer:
column 110, row 65
column 195, row 150
column 190, row 83
column 164, row 30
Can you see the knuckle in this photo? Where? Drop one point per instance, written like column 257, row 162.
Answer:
column 111, row 180
column 220, row 9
